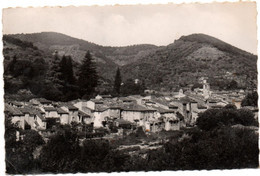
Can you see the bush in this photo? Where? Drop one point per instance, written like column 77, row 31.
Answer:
column 227, row 116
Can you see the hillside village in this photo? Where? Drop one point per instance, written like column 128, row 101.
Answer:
column 98, row 117
column 129, row 88
column 72, row 113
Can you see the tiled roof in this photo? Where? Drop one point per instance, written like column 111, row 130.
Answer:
column 50, row 109
column 106, row 96
column 61, row 111
column 83, row 114
column 135, row 107
column 173, row 106
column 26, row 110
column 101, row 107
column 72, row 107
column 185, row 100
column 44, row 101
column 122, row 121
column 69, row 105
column 202, row 107
column 216, row 106
column 13, row 110
column 97, row 101
column 17, row 103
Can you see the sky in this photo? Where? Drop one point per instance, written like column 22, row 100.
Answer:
column 234, row 23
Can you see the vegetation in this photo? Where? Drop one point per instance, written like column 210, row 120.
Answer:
column 183, row 62
column 130, row 87
column 118, row 81
column 88, row 78
column 20, row 152
column 250, row 99
column 171, row 67
column 220, row 142
column 228, row 116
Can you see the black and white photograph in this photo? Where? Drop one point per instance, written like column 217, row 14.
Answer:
column 130, row 88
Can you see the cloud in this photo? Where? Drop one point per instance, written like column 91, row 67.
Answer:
column 234, row 23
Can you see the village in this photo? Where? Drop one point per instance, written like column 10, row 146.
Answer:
column 105, row 115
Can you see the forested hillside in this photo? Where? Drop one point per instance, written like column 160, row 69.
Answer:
column 191, row 57
column 170, row 67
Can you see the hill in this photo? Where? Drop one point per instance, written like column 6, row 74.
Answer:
column 170, row 67
column 190, row 57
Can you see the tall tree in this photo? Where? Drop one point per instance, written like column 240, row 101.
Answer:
column 70, row 72
column 53, row 86
column 12, row 65
column 118, row 81
column 88, row 78
column 66, row 70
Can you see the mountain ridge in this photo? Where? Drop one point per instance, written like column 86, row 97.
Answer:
column 179, row 63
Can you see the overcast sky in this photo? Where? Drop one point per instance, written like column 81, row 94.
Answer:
column 234, row 23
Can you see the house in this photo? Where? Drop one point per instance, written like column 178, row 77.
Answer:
column 27, row 117
column 40, row 123
column 16, row 104
column 211, row 102
column 85, row 118
column 98, row 97
column 121, row 123
column 17, row 117
column 137, row 114
column 73, row 113
column 63, row 115
column 41, row 102
column 172, row 124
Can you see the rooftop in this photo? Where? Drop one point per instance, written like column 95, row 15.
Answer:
column 61, row 111
column 50, row 109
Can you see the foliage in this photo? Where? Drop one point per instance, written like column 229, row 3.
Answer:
column 66, row 69
column 175, row 65
column 117, row 83
column 19, row 153
column 197, row 85
column 63, row 154
column 224, row 148
column 131, row 88
column 18, row 42
column 58, row 155
column 88, row 78
column 214, row 118
column 250, row 99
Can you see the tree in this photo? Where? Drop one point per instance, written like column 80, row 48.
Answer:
column 12, row 64
column 227, row 116
column 232, row 85
column 88, row 78
column 66, row 70
column 70, row 89
column 132, row 88
column 250, row 99
column 54, row 74
column 117, row 83
column 219, row 149
column 19, row 153
column 61, row 152
column 54, row 85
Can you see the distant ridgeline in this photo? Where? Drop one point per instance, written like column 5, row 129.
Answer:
column 30, row 60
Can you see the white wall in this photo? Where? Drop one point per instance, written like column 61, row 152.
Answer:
column 64, row 119
column 19, row 119
column 41, row 123
column 91, row 105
